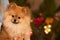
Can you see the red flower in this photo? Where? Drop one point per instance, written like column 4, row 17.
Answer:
column 38, row 21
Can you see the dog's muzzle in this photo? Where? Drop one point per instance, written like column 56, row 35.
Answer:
column 15, row 21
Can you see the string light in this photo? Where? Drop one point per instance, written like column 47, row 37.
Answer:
column 49, row 26
column 47, row 29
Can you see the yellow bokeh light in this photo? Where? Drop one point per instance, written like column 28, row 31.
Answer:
column 46, row 32
column 49, row 30
column 49, row 26
column 45, row 27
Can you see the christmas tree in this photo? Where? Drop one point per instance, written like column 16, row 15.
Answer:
column 46, row 20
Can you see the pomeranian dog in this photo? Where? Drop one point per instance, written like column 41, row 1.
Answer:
column 16, row 22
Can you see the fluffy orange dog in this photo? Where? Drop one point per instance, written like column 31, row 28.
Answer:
column 17, row 22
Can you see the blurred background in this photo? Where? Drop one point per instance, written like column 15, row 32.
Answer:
column 45, row 21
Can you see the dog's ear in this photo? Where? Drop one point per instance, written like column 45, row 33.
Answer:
column 12, row 6
column 26, row 11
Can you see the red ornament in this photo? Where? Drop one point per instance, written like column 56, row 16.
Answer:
column 38, row 21
column 31, row 34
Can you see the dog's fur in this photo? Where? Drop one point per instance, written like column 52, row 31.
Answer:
column 17, row 22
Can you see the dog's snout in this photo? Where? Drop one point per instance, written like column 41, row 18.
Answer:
column 14, row 20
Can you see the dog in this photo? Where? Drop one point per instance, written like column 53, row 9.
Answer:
column 16, row 22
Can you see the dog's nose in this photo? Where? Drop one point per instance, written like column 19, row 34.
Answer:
column 14, row 20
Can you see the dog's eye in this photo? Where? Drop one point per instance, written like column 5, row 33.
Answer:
column 12, row 15
column 18, row 17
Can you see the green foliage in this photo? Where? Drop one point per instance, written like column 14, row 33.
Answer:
column 19, row 2
column 48, row 8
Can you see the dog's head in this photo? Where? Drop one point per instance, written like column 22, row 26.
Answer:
column 16, row 14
